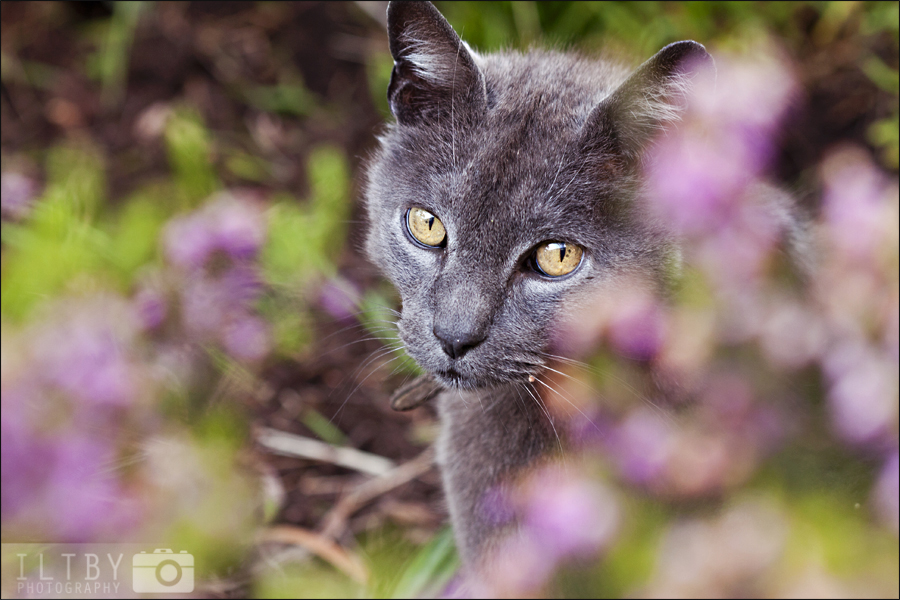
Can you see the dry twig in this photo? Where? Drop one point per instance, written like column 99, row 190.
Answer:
column 289, row 444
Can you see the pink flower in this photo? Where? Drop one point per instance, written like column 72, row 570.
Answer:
column 228, row 223
column 887, row 492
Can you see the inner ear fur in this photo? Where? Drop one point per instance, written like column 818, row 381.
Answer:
column 433, row 68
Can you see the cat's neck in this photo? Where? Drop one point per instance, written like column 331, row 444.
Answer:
column 490, row 439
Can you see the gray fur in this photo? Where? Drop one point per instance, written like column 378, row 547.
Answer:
column 509, row 150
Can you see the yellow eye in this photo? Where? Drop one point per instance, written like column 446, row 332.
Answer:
column 425, row 227
column 557, row 258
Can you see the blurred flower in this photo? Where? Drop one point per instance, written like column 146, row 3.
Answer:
column 728, row 405
column 637, row 330
column 497, row 507
column 862, row 394
column 217, row 299
column 735, row 255
column 247, row 338
column 16, row 195
column 21, row 454
column 150, row 306
column 641, row 446
column 719, row 557
column 699, row 171
column 564, row 516
column 228, row 223
column 63, row 405
column 855, row 203
column 83, row 496
column 83, row 350
column 694, row 182
column 792, row 335
column 340, row 298
column 887, row 492
column 569, row 516
column 628, row 314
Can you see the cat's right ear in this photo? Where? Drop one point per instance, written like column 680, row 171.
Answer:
column 651, row 98
column 433, row 67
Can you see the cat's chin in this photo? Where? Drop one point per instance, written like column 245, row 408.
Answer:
column 452, row 379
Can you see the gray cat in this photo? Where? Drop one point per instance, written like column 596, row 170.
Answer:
column 504, row 195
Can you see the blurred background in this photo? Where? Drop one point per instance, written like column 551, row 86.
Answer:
column 195, row 350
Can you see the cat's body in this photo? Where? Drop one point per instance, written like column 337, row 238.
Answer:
column 509, row 153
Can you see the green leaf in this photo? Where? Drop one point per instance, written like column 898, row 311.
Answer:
column 284, row 98
column 431, row 569
column 190, row 156
column 323, row 428
column 59, row 241
column 135, row 234
column 304, row 240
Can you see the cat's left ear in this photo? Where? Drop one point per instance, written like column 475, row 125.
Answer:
column 653, row 96
column 433, row 68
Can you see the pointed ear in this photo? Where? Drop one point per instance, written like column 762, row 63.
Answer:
column 433, row 68
column 653, row 96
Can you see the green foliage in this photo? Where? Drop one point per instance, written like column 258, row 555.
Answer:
column 310, row 580
column 429, row 571
column 190, row 156
column 247, row 167
column 59, row 245
column 324, row 428
column 305, row 240
column 110, row 63
column 284, row 98
column 134, row 232
column 303, row 246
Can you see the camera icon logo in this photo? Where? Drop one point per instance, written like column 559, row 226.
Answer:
column 163, row 571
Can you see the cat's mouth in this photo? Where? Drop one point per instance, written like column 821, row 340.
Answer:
column 451, row 378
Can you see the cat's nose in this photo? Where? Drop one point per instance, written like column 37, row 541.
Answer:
column 456, row 344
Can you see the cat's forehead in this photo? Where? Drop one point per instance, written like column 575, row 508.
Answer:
column 513, row 174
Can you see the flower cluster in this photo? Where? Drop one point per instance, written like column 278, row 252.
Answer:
column 782, row 336
column 216, row 280
column 69, row 384
column 86, row 450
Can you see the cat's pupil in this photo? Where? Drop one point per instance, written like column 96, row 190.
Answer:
column 562, row 253
column 430, row 223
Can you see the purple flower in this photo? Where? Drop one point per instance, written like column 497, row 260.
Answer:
column 220, row 306
column 204, row 306
column 85, row 353
column 16, row 195
column 239, row 227
column 694, row 182
column 698, row 171
column 241, row 284
column 57, row 479
column 23, row 457
column 151, row 309
column 854, row 203
column 228, row 223
column 637, row 329
column 497, row 507
column 887, row 492
column 247, row 338
column 83, row 498
column 641, row 446
column 189, row 241
column 863, row 393
column 570, row 516
column 340, row 298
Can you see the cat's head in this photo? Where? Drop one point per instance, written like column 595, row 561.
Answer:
column 506, row 191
